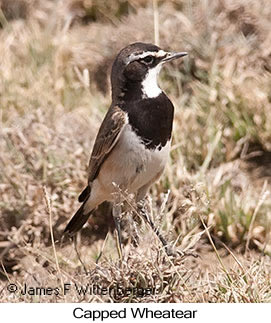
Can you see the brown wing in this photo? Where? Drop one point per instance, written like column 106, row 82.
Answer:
column 106, row 139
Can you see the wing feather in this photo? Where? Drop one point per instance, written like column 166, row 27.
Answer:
column 107, row 137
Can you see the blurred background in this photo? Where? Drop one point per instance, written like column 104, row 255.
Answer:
column 55, row 65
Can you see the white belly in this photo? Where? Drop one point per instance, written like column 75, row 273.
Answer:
column 130, row 165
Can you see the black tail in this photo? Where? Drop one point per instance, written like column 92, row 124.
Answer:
column 84, row 195
column 77, row 221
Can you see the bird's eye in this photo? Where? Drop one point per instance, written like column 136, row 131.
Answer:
column 148, row 59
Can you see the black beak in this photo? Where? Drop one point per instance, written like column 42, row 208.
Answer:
column 172, row 55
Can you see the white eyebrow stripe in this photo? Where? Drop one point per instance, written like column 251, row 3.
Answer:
column 161, row 53
column 134, row 57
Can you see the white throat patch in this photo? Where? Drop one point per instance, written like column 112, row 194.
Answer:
column 150, row 86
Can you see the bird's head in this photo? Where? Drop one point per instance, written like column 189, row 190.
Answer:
column 135, row 70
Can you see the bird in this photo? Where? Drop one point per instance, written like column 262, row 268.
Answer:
column 133, row 142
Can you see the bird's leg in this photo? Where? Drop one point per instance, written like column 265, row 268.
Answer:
column 146, row 217
column 117, row 219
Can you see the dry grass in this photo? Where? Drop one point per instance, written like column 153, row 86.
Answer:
column 54, row 92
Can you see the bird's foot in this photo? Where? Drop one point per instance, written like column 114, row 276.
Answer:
column 172, row 252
